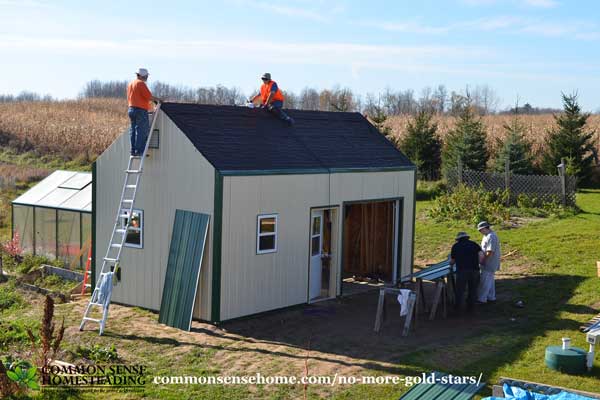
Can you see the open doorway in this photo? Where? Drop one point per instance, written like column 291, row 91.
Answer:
column 370, row 245
column 322, row 257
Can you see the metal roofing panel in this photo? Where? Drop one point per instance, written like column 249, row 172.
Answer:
column 42, row 189
column 183, row 269
column 77, row 181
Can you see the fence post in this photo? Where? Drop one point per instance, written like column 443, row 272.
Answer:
column 460, row 171
column 507, row 179
column 563, row 187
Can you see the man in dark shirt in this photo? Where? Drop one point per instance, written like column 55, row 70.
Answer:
column 467, row 256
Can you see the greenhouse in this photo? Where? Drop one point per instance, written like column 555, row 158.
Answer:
column 54, row 218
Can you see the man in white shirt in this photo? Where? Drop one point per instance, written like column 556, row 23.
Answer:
column 491, row 263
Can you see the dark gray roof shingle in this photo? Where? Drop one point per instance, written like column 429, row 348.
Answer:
column 244, row 139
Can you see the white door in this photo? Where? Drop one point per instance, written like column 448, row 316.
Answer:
column 316, row 250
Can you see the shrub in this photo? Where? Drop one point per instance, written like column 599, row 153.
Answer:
column 12, row 332
column 31, row 262
column 533, row 206
column 9, row 297
column 12, row 247
column 429, row 190
column 471, row 205
column 97, row 353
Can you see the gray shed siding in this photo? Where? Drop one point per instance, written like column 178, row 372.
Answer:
column 253, row 283
column 176, row 176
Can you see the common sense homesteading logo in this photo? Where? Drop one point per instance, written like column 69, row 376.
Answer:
column 114, row 376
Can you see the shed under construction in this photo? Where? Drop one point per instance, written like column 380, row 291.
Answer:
column 272, row 215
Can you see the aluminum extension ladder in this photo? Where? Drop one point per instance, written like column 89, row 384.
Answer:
column 117, row 239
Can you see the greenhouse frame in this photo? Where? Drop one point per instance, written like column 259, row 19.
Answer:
column 54, row 217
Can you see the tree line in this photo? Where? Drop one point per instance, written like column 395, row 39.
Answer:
column 569, row 140
column 437, row 100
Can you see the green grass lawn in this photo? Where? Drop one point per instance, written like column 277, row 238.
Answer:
column 552, row 268
column 553, row 271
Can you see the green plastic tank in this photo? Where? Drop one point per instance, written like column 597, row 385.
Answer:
column 570, row 361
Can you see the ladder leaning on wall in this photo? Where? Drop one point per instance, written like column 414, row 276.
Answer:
column 110, row 263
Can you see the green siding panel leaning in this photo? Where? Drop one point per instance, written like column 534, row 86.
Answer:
column 183, row 269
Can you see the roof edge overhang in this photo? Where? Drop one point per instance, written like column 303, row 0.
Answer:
column 14, row 203
column 310, row 171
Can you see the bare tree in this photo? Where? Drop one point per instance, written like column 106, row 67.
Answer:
column 97, row 88
column 292, row 100
column 441, row 98
column 309, row 99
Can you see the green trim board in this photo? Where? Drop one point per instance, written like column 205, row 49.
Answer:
column 215, row 314
column 94, row 187
column 186, row 252
column 309, row 171
column 400, row 232
column 414, row 218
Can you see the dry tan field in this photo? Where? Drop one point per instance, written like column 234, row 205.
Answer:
column 537, row 128
column 84, row 128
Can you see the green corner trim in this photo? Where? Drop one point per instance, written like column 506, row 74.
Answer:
column 414, row 217
column 400, row 243
column 215, row 314
column 94, row 207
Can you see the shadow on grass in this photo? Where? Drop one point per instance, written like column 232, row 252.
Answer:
column 340, row 331
column 498, row 333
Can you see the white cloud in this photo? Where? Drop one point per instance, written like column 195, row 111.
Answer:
column 311, row 10
column 529, row 3
column 542, row 3
column 300, row 12
column 579, row 30
column 330, row 53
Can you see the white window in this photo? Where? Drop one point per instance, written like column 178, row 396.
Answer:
column 135, row 231
column 266, row 234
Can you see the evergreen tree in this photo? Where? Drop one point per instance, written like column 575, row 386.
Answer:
column 378, row 117
column 571, row 141
column 516, row 149
column 466, row 142
column 422, row 145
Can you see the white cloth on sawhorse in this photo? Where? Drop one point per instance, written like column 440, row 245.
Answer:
column 403, row 300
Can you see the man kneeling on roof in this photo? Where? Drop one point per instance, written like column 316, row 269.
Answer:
column 272, row 98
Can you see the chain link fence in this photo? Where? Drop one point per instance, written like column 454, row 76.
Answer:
column 537, row 189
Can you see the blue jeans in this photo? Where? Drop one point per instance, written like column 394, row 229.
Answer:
column 140, row 127
column 276, row 110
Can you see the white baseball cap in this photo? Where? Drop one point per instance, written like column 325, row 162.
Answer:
column 142, row 72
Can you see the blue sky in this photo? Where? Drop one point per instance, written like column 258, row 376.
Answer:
column 533, row 49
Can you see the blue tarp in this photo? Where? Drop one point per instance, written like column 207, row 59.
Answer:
column 516, row 393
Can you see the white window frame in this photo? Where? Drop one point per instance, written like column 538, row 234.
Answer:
column 140, row 230
column 259, row 234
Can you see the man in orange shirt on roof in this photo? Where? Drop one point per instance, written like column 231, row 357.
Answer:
column 272, row 98
column 138, row 99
